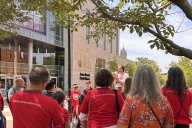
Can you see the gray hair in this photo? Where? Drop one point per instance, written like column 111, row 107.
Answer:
column 38, row 74
column 146, row 84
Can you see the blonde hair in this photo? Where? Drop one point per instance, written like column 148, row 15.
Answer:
column 146, row 84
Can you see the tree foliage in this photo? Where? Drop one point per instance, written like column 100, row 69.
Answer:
column 186, row 65
column 142, row 60
column 140, row 16
column 113, row 64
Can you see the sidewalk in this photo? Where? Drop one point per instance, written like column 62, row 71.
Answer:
column 8, row 115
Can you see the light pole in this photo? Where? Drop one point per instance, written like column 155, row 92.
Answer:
column 69, row 70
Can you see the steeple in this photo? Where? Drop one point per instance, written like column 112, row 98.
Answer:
column 123, row 53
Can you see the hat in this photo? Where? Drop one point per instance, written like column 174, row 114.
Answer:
column 88, row 81
column 118, row 85
column 75, row 85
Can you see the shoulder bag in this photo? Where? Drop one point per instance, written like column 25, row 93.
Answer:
column 117, row 103
column 89, row 107
column 180, row 109
column 156, row 116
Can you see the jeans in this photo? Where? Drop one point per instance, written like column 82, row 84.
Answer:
column 1, row 120
column 79, row 125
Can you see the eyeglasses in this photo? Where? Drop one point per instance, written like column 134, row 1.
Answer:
column 75, row 87
column 46, row 81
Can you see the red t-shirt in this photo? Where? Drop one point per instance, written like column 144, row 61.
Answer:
column 65, row 116
column 32, row 109
column 74, row 98
column 175, row 103
column 103, row 111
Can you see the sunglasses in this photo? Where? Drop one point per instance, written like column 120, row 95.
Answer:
column 75, row 87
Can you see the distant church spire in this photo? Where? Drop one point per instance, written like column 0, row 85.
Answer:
column 123, row 53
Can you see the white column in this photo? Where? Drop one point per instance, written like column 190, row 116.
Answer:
column 30, row 55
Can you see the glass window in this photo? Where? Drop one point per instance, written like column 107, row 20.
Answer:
column 117, row 43
column 104, row 41
column 35, row 23
column 111, row 46
column 99, row 63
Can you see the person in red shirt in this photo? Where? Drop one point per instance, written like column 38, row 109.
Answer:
column 31, row 108
column 60, row 97
column 179, row 97
column 100, row 106
column 75, row 93
column 146, row 107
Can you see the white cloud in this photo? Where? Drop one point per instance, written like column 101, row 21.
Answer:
column 138, row 47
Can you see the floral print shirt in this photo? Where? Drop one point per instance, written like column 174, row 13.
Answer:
column 137, row 114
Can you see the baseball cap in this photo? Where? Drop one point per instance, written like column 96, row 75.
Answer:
column 118, row 85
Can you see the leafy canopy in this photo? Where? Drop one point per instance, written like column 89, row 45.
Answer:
column 140, row 16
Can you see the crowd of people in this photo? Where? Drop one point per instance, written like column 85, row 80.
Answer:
column 117, row 101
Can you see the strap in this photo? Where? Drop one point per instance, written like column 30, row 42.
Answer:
column 155, row 116
column 180, row 108
column 89, row 106
column 116, row 99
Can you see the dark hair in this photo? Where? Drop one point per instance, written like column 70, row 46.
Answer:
column 127, row 86
column 104, row 78
column 176, row 80
column 59, row 96
column 50, row 85
column 38, row 75
column 123, row 67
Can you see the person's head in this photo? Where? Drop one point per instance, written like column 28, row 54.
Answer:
column 104, row 78
column 39, row 77
column 75, row 87
column 50, row 85
column 176, row 79
column 145, row 84
column 127, row 86
column 121, row 69
column 59, row 96
column 19, row 83
column 88, row 84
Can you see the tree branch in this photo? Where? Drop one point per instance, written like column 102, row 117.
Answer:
column 185, row 6
column 182, row 51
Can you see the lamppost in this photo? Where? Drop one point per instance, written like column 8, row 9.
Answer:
column 69, row 70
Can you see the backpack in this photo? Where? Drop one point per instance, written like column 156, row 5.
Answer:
column 14, row 91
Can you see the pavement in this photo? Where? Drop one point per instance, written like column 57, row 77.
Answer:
column 8, row 116
column 9, row 119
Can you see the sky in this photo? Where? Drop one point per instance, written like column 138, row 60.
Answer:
column 138, row 46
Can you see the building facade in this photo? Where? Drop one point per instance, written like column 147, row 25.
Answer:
column 37, row 44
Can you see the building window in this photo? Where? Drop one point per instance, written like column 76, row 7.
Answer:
column 35, row 23
column 99, row 63
column 111, row 46
column 96, row 42
column 87, row 27
column 117, row 43
column 104, row 41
